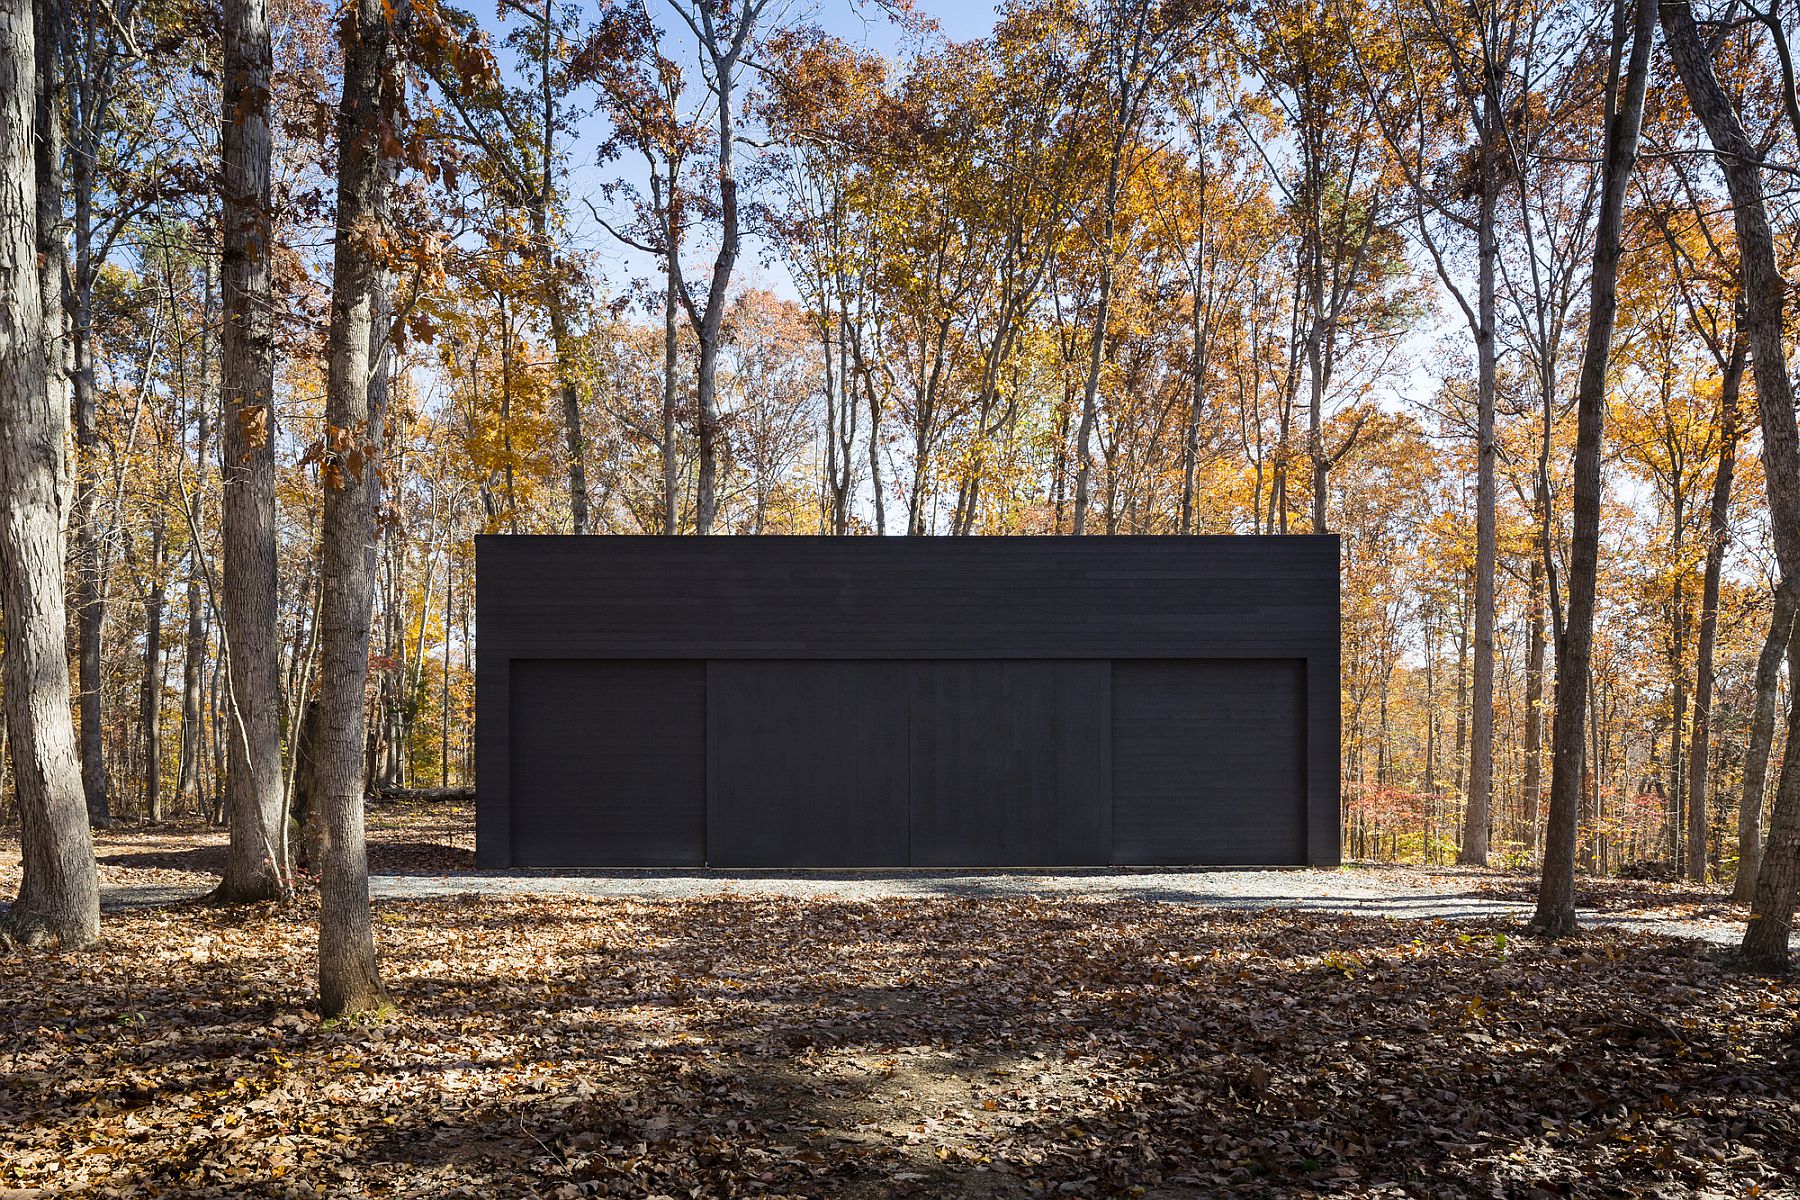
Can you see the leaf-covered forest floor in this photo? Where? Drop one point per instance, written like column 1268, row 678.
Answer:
column 999, row 1046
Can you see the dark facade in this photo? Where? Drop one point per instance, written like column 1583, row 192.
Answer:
column 893, row 702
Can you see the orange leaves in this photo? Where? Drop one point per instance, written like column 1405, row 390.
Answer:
column 253, row 420
column 341, row 455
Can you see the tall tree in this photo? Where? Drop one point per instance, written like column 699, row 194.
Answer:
column 1764, row 299
column 1624, row 110
column 1135, row 42
column 1455, row 63
column 59, row 893
column 723, row 30
column 256, row 866
column 355, row 400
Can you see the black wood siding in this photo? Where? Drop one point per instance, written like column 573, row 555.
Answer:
column 808, row 765
column 613, row 757
column 1210, row 761
column 1010, row 764
column 1017, row 669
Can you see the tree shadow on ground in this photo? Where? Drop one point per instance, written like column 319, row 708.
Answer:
column 985, row 1047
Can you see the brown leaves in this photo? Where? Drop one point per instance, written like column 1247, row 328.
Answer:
column 987, row 1046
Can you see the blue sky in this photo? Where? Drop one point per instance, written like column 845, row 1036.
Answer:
column 858, row 21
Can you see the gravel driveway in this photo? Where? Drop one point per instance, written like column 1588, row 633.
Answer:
column 1350, row 892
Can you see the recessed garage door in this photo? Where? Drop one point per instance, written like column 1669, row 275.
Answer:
column 613, row 758
column 1209, row 761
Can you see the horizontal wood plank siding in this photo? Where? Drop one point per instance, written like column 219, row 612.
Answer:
column 613, row 756
column 1210, row 763
column 803, row 597
column 1013, row 744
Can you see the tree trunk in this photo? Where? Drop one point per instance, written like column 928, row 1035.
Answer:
column 1756, row 748
column 671, row 367
column 1764, row 294
column 59, row 893
column 150, row 690
column 1090, row 390
column 1556, row 894
column 255, row 867
column 89, row 576
column 1478, row 813
column 1718, row 536
column 725, row 50
column 1534, row 706
column 355, row 400
column 574, row 441
column 187, row 787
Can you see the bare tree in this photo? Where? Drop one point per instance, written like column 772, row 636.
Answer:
column 59, row 894
column 723, row 30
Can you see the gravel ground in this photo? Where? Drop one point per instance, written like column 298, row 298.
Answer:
column 428, row 851
column 1350, row 892
column 1344, row 892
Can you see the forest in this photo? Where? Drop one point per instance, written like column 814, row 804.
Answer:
column 299, row 298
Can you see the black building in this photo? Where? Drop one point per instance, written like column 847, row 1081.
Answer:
column 928, row 702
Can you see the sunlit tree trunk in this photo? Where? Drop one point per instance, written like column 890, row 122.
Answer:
column 575, row 441
column 193, row 669
column 89, row 597
column 255, row 865
column 1718, row 536
column 1477, row 816
column 59, row 895
column 671, row 478
column 355, row 397
column 1764, row 296
column 1625, row 108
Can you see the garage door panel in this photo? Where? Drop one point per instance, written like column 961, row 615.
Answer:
column 1209, row 762
column 1009, row 763
column 808, row 764
column 608, row 763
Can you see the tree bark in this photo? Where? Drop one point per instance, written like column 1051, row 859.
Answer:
column 89, row 600
column 59, row 894
column 1764, row 295
column 150, row 688
column 1534, row 705
column 724, row 48
column 671, row 513
column 1718, row 537
column 1757, row 746
column 193, row 668
column 574, row 440
column 255, row 866
column 1556, row 893
column 1090, row 388
column 355, row 401
column 1478, row 812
